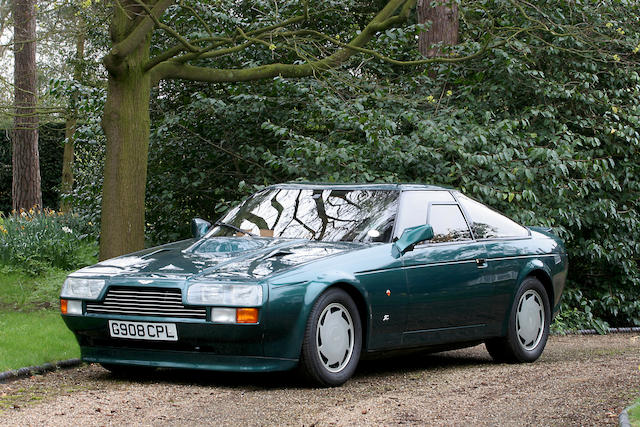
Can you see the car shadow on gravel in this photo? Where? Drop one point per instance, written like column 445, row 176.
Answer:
column 387, row 364
column 422, row 361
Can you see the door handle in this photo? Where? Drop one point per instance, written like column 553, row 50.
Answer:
column 481, row 262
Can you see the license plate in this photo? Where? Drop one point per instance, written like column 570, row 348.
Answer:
column 143, row 330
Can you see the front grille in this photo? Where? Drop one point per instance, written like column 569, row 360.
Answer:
column 145, row 302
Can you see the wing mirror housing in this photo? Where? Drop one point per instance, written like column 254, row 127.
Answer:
column 410, row 236
column 199, row 227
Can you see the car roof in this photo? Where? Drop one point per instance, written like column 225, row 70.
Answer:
column 375, row 186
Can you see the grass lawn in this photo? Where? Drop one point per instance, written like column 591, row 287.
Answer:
column 33, row 338
column 634, row 414
column 31, row 329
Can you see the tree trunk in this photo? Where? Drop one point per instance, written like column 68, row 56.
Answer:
column 26, row 190
column 67, row 164
column 70, row 129
column 126, row 126
column 443, row 15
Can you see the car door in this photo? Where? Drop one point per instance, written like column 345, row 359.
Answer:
column 449, row 289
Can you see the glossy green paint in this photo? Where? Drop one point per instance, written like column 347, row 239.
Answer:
column 199, row 227
column 448, row 291
column 410, row 237
column 409, row 295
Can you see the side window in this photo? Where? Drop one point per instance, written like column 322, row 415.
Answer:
column 413, row 207
column 448, row 224
column 489, row 224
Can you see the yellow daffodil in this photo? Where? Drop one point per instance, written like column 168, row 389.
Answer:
column 609, row 24
column 616, row 57
column 272, row 46
column 449, row 92
column 620, row 31
column 431, row 99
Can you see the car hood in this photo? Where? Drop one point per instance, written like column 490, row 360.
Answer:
column 220, row 258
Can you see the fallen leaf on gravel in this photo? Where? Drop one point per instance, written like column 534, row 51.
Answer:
column 364, row 411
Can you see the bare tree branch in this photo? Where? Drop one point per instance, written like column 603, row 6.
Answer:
column 126, row 46
column 384, row 19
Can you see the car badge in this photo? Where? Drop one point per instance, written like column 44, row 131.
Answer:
column 145, row 282
column 171, row 267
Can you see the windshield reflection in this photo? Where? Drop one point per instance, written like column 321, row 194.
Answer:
column 315, row 214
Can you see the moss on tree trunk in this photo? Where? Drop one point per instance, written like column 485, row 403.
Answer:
column 126, row 126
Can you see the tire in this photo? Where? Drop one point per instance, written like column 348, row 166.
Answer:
column 528, row 327
column 128, row 371
column 332, row 340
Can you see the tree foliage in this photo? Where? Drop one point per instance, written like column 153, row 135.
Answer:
column 535, row 113
column 544, row 128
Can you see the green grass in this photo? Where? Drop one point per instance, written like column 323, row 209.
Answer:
column 23, row 292
column 33, row 338
column 634, row 414
column 31, row 329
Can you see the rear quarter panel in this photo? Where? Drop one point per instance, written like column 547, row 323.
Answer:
column 511, row 261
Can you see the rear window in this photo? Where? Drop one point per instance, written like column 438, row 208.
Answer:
column 489, row 224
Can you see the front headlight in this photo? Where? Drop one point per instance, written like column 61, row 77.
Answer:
column 224, row 294
column 78, row 287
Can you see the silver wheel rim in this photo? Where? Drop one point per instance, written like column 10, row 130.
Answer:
column 530, row 320
column 334, row 337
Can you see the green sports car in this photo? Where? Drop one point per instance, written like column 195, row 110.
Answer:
column 318, row 276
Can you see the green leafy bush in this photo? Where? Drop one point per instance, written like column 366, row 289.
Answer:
column 35, row 240
column 543, row 127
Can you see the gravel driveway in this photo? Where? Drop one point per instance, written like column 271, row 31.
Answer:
column 579, row 380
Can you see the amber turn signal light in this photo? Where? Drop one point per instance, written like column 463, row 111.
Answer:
column 63, row 306
column 247, row 315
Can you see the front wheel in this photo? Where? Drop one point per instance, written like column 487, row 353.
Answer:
column 333, row 339
column 528, row 327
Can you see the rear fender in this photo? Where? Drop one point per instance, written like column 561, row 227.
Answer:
column 535, row 267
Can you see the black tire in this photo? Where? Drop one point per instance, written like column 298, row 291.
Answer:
column 128, row 371
column 336, row 314
column 526, row 338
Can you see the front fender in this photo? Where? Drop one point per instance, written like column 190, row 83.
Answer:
column 288, row 310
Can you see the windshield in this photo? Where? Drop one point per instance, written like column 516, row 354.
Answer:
column 315, row 214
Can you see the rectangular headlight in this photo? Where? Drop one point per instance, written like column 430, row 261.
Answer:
column 78, row 287
column 224, row 294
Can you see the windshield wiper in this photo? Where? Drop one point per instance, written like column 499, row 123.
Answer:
column 233, row 227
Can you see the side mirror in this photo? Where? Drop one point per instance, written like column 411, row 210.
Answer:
column 410, row 236
column 199, row 227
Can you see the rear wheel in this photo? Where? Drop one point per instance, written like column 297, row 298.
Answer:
column 528, row 327
column 333, row 339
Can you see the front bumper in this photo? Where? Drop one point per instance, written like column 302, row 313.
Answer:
column 200, row 345
column 185, row 359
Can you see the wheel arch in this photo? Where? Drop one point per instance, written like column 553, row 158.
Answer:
column 361, row 304
column 545, row 279
column 285, row 332
column 538, row 269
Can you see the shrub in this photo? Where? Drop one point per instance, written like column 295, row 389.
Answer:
column 36, row 240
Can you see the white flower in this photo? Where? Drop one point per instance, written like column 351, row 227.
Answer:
column 67, row 230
